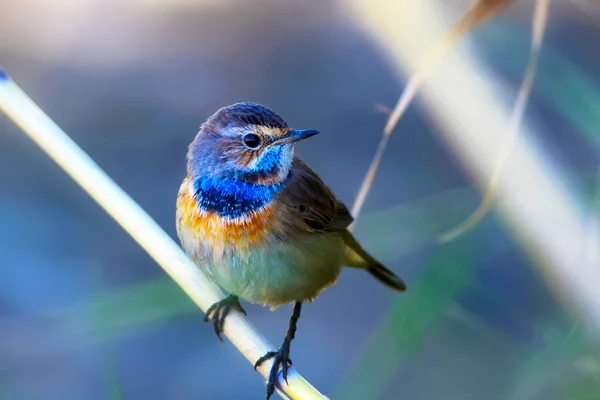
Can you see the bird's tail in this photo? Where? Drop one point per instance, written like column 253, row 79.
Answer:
column 359, row 258
column 386, row 276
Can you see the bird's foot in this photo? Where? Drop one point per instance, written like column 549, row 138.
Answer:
column 218, row 312
column 281, row 358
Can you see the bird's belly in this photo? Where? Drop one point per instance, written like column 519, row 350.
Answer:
column 281, row 272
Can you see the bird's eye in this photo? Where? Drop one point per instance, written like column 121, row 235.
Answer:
column 251, row 140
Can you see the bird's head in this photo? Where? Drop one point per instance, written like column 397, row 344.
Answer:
column 244, row 142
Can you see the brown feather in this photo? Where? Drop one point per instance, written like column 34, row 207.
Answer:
column 313, row 201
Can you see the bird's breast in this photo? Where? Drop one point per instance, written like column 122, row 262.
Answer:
column 208, row 232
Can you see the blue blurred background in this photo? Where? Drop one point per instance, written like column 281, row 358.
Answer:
column 85, row 313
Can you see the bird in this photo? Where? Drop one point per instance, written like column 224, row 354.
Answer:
column 261, row 224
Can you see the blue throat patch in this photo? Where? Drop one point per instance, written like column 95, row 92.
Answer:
column 233, row 198
column 269, row 162
column 268, row 166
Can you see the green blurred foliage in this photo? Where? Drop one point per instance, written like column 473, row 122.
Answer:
column 409, row 321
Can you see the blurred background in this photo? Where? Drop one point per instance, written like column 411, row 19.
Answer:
column 85, row 313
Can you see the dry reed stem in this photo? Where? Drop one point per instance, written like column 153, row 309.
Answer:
column 479, row 12
column 540, row 19
column 143, row 229
column 537, row 202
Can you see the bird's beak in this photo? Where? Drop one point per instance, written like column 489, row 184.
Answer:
column 296, row 136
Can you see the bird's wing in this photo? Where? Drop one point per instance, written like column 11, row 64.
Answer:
column 314, row 202
column 320, row 211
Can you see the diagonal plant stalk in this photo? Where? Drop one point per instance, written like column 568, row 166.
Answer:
column 538, row 28
column 536, row 200
column 551, row 241
column 142, row 228
column 479, row 12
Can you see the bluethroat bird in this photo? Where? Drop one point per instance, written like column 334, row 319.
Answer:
column 260, row 223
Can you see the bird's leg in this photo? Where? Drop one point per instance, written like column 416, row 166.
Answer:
column 218, row 312
column 281, row 357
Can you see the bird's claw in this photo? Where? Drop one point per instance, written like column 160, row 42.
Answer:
column 281, row 358
column 218, row 312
